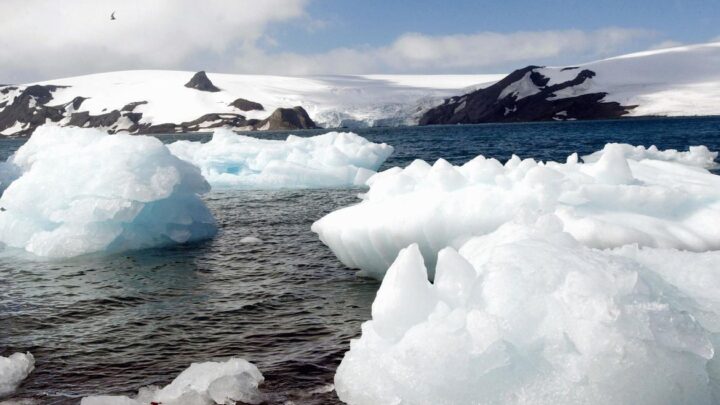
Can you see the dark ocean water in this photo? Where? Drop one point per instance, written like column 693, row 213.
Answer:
column 110, row 325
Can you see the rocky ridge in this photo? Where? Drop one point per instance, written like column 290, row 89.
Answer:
column 24, row 108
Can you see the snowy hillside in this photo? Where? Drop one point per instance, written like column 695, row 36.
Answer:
column 681, row 81
column 145, row 99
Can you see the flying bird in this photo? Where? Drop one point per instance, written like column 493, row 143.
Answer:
column 112, row 16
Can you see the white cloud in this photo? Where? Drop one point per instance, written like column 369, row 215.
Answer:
column 48, row 38
column 665, row 45
column 415, row 52
column 42, row 39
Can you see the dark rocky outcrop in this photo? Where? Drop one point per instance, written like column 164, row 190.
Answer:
column 29, row 110
column 77, row 102
column 167, row 128
column 499, row 103
column 208, row 121
column 287, row 118
column 84, row 119
column 201, row 82
column 247, row 105
column 130, row 107
column 7, row 89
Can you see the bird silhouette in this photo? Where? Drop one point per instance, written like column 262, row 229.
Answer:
column 112, row 16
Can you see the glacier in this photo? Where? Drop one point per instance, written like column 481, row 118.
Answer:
column 334, row 159
column 207, row 383
column 79, row 191
column 527, row 314
column 618, row 196
column 13, row 370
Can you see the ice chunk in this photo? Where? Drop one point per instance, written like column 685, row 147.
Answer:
column 250, row 239
column 405, row 297
column 13, row 370
column 527, row 315
column 614, row 201
column 83, row 191
column 335, row 159
column 699, row 156
column 235, row 380
column 612, row 167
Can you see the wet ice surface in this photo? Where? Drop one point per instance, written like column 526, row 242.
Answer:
column 110, row 325
column 107, row 325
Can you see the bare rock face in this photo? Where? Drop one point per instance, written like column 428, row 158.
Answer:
column 167, row 128
column 84, row 119
column 247, row 105
column 201, row 82
column 524, row 95
column 28, row 110
column 213, row 120
column 287, row 118
column 130, row 107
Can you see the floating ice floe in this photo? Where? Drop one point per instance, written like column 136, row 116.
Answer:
column 250, row 240
column 528, row 315
column 81, row 191
column 334, row 159
column 699, row 156
column 13, row 370
column 621, row 195
column 235, row 380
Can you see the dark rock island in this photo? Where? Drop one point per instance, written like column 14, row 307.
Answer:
column 526, row 95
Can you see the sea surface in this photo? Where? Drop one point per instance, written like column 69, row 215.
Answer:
column 110, row 325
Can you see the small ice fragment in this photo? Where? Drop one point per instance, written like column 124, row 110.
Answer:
column 13, row 370
column 235, row 380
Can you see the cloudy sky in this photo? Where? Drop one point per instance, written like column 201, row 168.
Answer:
column 44, row 39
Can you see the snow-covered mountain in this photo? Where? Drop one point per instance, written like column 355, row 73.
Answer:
column 169, row 101
column 681, row 81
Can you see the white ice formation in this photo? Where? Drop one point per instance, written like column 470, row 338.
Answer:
column 250, row 240
column 699, row 156
column 208, row 383
column 333, row 159
column 13, row 370
column 621, row 195
column 82, row 191
column 528, row 315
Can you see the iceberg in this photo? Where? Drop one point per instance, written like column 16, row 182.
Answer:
column 13, row 370
column 699, row 156
column 333, row 159
column 235, row 380
column 526, row 314
column 80, row 191
column 619, row 196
